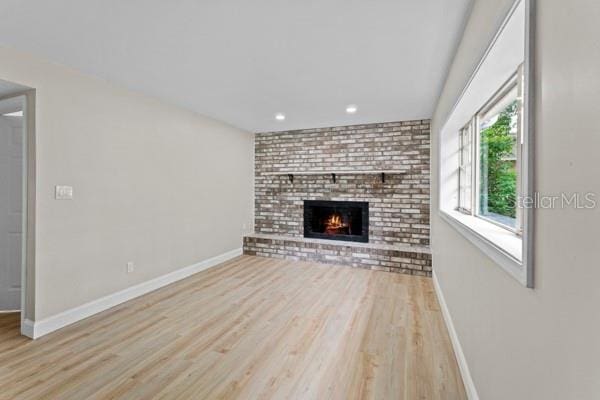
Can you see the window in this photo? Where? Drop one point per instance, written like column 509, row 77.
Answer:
column 485, row 154
column 497, row 167
column 499, row 131
column 465, row 173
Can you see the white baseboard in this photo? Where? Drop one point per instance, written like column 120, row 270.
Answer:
column 460, row 356
column 36, row 329
column 27, row 328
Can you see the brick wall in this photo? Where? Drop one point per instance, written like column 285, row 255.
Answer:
column 398, row 208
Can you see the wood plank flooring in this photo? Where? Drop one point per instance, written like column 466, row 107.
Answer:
column 252, row 328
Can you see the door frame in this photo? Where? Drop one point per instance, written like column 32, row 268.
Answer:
column 27, row 99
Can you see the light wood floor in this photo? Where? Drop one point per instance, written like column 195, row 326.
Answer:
column 252, row 328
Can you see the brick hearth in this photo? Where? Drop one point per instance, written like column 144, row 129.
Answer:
column 413, row 260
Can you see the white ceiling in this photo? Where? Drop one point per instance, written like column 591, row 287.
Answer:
column 242, row 61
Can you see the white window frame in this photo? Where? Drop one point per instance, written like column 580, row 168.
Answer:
column 513, row 251
column 465, row 166
column 515, row 81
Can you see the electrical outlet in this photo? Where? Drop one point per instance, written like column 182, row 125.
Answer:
column 130, row 267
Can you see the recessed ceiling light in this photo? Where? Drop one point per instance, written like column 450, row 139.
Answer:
column 351, row 109
column 280, row 117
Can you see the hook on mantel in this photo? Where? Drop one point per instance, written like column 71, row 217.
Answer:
column 333, row 178
column 291, row 178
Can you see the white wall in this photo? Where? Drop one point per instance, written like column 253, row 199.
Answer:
column 153, row 184
column 542, row 343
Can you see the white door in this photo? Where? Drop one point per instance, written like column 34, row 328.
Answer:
column 11, row 211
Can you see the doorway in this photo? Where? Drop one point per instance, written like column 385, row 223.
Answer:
column 13, row 204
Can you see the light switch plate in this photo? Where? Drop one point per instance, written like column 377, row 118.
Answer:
column 63, row 192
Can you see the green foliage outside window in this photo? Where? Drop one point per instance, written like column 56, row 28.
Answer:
column 497, row 164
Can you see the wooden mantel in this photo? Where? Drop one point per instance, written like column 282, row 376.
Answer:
column 333, row 173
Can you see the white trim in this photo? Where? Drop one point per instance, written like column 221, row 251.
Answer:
column 24, row 204
column 529, row 126
column 68, row 317
column 458, row 352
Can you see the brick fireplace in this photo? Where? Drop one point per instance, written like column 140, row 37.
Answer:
column 381, row 169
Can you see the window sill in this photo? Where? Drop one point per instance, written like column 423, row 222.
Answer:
column 502, row 246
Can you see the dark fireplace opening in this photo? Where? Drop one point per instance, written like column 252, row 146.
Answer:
column 336, row 220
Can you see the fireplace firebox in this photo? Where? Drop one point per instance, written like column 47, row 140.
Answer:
column 336, row 220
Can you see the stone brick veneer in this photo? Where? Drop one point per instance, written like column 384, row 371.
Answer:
column 398, row 207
